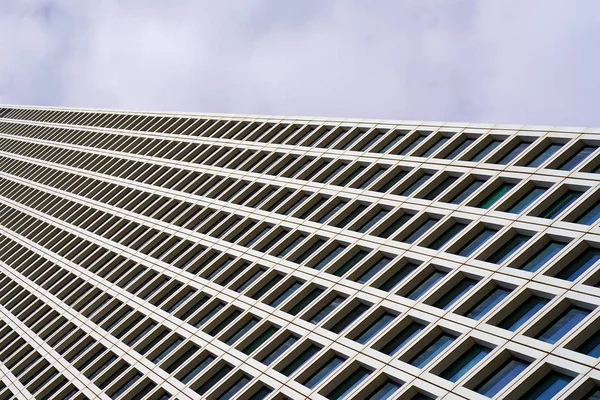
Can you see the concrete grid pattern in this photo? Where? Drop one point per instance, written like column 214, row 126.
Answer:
column 156, row 256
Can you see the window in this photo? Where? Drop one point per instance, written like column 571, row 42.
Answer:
column 389, row 282
column 560, row 204
column 440, row 187
column 306, row 300
column 364, row 227
column 435, row 146
column 590, row 216
column 394, row 225
column 467, row 191
column 487, row 149
column 548, row 151
column 433, row 278
column 326, row 309
column 439, row 344
column 523, row 313
column 513, row 153
column 476, row 242
column 591, row 347
column 279, row 350
column 384, row 391
column 372, row 270
column 350, row 316
column 580, row 264
column 421, row 229
column 235, row 387
column 286, row 293
column 455, row 293
column 526, row 200
column 416, row 183
column 324, row 371
column 349, row 383
column 326, row 259
column 415, row 140
column 508, row 248
column 501, row 377
column 542, row 256
column 577, row 158
column 562, row 324
column 465, row 362
column 496, row 195
column 399, row 339
column 447, row 235
column 351, row 262
column 485, row 305
column 375, row 327
column 548, row 387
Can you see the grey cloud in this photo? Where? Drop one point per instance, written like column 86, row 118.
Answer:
column 493, row 61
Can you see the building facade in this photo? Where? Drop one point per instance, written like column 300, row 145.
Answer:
column 157, row 256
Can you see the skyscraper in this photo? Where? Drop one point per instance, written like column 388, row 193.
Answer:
column 150, row 255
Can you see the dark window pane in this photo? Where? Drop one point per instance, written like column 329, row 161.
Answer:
column 475, row 243
column 544, row 255
column 496, row 195
column 347, row 385
column 433, row 350
column 560, row 204
column 562, row 324
column 489, row 302
column 469, row 190
column 526, row 200
column 447, row 235
column 399, row 340
column 508, row 248
column 523, row 313
column 544, row 155
column 590, row 216
column 501, row 377
column 465, row 362
column 421, row 230
column 424, row 286
column 548, row 386
column 577, row 158
column 486, row 150
column 455, row 293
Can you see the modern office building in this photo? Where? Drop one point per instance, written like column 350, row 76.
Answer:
column 157, row 256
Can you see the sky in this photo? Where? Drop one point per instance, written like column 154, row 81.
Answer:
column 495, row 61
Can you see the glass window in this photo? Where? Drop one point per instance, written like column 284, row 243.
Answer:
column 547, row 152
column 416, row 184
column 496, row 195
column 460, row 148
column 440, row 187
column 486, row 150
column 523, row 313
column 508, row 248
column 561, row 204
column 489, row 302
column 374, row 220
column 374, row 269
column 532, row 195
column 580, row 264
column 501, row 377
column 349, row 317
column 391, row 181
column 236, row 387
column 513, row 153
column 390, row 282
column 399, row 340
column 375, row 327
column 548, row 386
column 465, row 362
column 544, row 255
column 590, row 216
column 593, row 394
column 455, row 293
column 279, row 350
column 327, row 309
column 301, row 359
column 339, row 204
column 350, row 215
column 372, row 178
column 426, row 284
column 214, row 379
column 245, row 328
column 434, row 147
column 415, row 142
column 577, row 158
column 330, row 256
column 439, row 344
column 591, row 347
column 467, row 191
column 476, row 242
column 421, row 229
column 324, row 371
column 286, row 293
column 394, row 226
column 306, row 300
column 447, row 235
column 260, row 340
column 384, row 391
column 562, row 324
column 349, row 383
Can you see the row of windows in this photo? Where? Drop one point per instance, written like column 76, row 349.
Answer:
column 546, row 203
column 498, row 148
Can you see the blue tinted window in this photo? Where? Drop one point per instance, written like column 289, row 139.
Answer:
column 544, row 255
column 455, row 293
column 460, row 148
column 430, row 352
column 501, row 377
column 372, row 271
column 384, row 391
column 476, row 242
column 279, row 350
column 327, row 259
column 348, row 384
column 399, row 340
column 577, row 158
column 485, row 305
column 593, row 394
column 324, row 371
column 421, row 230
column 397, row 277
column 467, row 191
column 512, row 154
column 560, row 204
column 486, row 150
column 590, row 216
column 580, row 264
column 432, row 149
column 327, row 309
column 591, row 347
column 377, row 326
column 548, row 386
column 236, row 387
column 496, row 195
column 415, row 142
column 416, row 184
column 465, row 362
column 545, row 154
column 447, row 235
column 527, row 200
column 424, row 286
column 286, row 293
column 523, row 313
column 301, row 359
column 562, row 324
column 508, row 248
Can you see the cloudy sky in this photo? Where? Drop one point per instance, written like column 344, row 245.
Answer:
column 502, row 61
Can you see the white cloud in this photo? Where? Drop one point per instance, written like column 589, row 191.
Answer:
column 495, row 61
